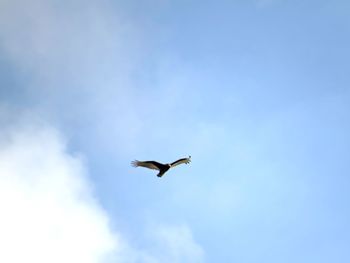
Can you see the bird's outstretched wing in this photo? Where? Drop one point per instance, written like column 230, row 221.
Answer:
column 148, row 164
column 180, row 161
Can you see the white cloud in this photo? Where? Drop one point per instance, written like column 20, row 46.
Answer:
column 49, row 212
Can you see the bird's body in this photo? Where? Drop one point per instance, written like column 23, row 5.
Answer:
column 162, row 168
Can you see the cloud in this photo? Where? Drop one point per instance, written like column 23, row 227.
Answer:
column 75, row 51
column 173, row 244
column 87, row 66
column 48, row 211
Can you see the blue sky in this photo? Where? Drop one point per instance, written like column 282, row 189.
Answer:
column 256, row 91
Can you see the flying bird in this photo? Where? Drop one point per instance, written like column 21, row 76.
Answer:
column 162, row 168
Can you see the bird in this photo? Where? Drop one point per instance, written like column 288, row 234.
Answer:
column 162, row 168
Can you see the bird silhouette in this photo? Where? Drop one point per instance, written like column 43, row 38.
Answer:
column 162, row 168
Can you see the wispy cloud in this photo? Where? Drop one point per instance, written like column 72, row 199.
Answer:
column 173, row 243
column 76, row 59
column 82, row 63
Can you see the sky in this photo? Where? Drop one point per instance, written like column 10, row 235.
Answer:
column 256, row 91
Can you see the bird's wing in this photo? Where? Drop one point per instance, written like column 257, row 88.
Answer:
column 180, row 161
column 148, row 164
